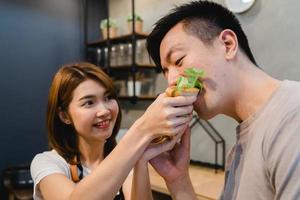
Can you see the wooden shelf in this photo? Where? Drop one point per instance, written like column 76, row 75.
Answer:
column 123, row 72
column 126, row 67
column 117, row 40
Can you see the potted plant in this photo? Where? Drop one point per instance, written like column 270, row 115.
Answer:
column 112, row 24
column 138, row 23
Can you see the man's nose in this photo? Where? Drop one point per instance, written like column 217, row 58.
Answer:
column 172, row 76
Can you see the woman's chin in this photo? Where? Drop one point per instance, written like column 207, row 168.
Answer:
column 103, row 134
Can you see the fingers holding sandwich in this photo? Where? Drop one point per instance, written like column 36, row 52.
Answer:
column 182, row 96
column 182, row 101
column 181, row 111
column 172, row 91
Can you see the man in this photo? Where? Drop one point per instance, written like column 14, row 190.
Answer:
column 265, row 161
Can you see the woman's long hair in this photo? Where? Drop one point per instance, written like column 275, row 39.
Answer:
column 63, row 137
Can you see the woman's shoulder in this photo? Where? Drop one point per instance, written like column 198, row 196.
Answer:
column 48, row 162
column 45, row 164
column 48, row 156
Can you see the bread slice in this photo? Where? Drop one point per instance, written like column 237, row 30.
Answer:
column 170, row 91
column 188, row 92
column 160, row 139
column 173, row 92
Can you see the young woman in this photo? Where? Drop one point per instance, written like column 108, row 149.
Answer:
column 83, row 119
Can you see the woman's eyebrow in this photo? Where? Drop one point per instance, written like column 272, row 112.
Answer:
column 86, row 97
column 106, row 92
column 91, row 96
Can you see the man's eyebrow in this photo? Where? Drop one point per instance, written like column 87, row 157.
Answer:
column 171, row 51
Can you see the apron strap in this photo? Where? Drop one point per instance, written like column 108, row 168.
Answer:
column 74, row 171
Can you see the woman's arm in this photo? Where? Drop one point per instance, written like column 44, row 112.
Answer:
column 105, row 181
column 127, row 185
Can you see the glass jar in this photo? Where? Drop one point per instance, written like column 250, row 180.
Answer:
column 121, row 55
column 139, row 52
column 114, row 56
column 128, row 54
column 105, row 58
column 99, row 57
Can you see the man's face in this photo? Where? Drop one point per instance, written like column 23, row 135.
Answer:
column 180, row 50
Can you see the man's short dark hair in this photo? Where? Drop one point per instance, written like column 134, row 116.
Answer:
column 203, row 19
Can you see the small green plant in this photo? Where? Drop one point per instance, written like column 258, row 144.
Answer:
column 112, row 23
column 136, row 17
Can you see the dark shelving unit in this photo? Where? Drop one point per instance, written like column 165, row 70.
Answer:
column 116, row 40
column 128, row 38
column 139, row 66
column 141, row 97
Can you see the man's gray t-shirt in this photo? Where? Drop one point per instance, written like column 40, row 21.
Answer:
column 265, row 161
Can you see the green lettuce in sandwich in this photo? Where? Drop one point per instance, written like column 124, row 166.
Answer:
column 188, row 84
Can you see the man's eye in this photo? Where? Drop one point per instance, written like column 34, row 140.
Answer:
column 178, row 62
column 164, row 70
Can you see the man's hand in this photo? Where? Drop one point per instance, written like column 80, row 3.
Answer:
column 153, row 150
column 173, row 166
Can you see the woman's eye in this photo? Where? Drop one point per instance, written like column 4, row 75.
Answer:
column 107, row 97
column 88, row 103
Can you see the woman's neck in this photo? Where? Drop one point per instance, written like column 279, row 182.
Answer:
column 91, row 153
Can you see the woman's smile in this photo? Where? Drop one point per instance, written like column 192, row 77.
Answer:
column 102, row 124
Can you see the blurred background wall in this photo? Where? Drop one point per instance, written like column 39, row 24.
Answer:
column 36, row 37
column 272, row 27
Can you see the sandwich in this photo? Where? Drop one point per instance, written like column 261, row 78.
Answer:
column 189, row 84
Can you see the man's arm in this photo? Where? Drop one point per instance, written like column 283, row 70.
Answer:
column 141, row 188
column 182, row 188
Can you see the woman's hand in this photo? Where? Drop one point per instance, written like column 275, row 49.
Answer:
column 166, row 116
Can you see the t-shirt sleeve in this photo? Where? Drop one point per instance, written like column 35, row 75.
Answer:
column 44, row 165
column 283, row 159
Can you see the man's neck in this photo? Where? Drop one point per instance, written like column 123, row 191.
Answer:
column 255, row 89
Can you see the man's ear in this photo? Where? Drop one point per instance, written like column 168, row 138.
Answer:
column 230, row 42
column 64, row 116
